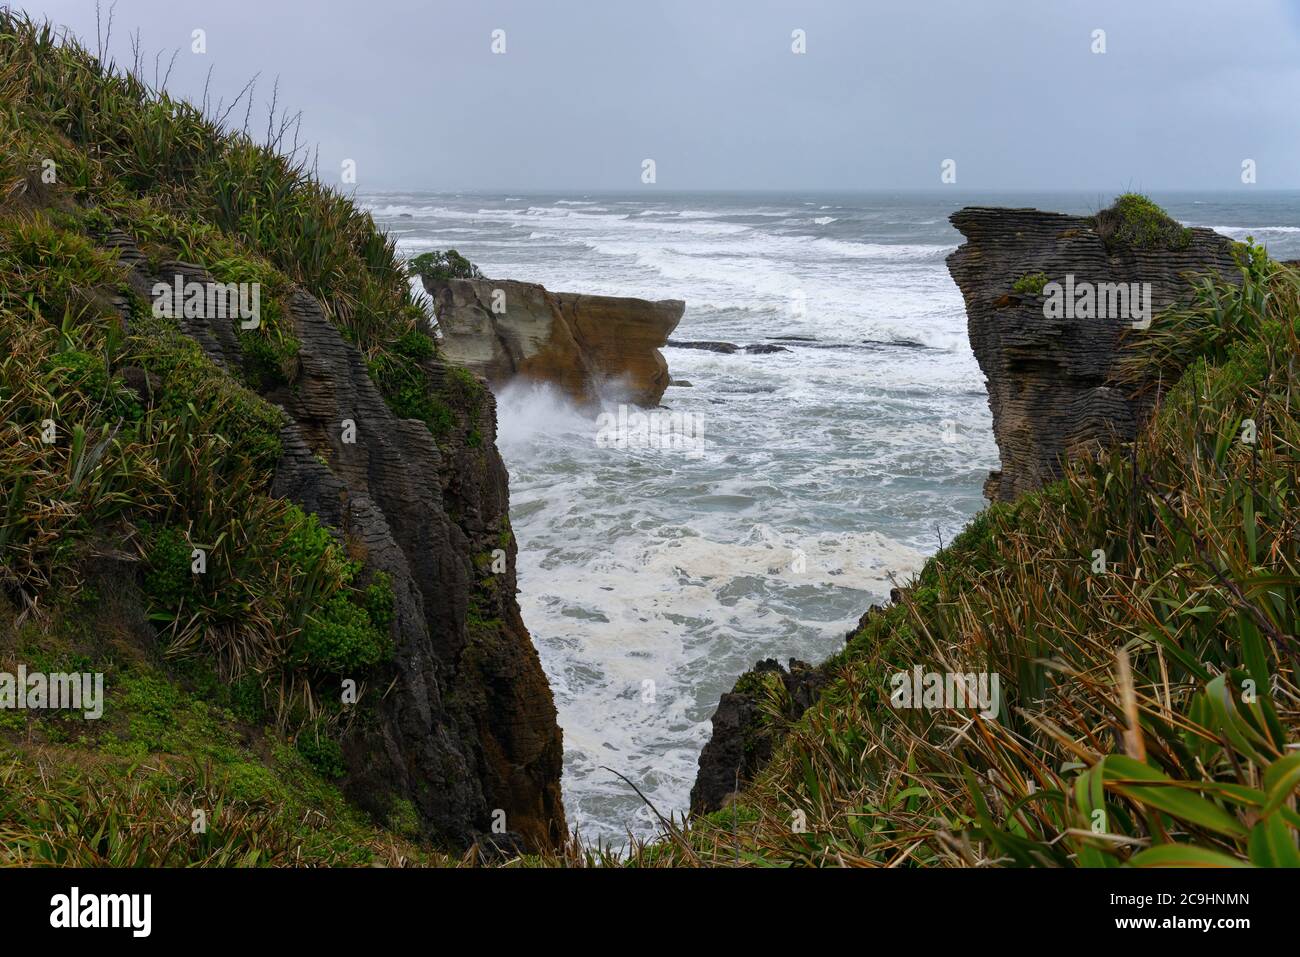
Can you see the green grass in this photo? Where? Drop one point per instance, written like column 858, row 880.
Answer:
column 1133, row 221
column 121, row 790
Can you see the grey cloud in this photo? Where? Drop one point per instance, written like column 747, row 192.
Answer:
column 712, row 92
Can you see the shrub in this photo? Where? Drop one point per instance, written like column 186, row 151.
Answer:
column 440, row 265
column 1135, row 222
column 342, row 639
column 322, row 753
column 379, row 600
column 405, row 385
column 415, row 344
column 169, row 578
column 1031, row 283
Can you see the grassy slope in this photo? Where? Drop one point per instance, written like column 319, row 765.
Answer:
column 1150, row 711
column 212, row 680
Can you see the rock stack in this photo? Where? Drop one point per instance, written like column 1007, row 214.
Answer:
column 1050, row 377
column 587, row 346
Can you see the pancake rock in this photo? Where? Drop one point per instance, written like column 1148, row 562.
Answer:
column 1049, row 351
column 584, row 345
column 466, row 726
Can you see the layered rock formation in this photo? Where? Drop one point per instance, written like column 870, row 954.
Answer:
column 743, row 738
column 584, row 345
column 1050, row 389
column 465, row 724
column 1049, row 379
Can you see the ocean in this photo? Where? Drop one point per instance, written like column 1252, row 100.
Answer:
column 651, row 578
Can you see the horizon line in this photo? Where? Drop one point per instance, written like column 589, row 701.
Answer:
column 536, row 190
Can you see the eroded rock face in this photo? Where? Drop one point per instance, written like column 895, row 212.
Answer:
column 470, row 726
column 466, row 724
column 1049, row 379
column 743, row 739
column 581, row 344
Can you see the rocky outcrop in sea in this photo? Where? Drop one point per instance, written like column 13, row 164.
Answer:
column 586, row 346
column 744, row 734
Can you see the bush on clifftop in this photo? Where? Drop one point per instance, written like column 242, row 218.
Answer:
column 1134, row 222
column 443, row 265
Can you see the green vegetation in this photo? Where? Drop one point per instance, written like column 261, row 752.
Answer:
column 124, row 447
column 343, row 639
column 1148, row 713
column 443, row 265
column 176, row 466
column 126, row 156
column 123, row 790
column 1030, row 283
column 1134, row 222
column 322, row 753
column 417, row 389
column 408, row 383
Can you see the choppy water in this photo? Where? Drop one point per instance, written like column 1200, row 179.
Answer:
column 650, row 578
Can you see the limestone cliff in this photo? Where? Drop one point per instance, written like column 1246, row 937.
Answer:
column 1049, row 378
column 465, row 725
column 583, row 345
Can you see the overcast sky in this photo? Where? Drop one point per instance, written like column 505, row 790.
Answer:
column 712, row 92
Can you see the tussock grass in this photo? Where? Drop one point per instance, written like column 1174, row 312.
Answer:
column 186, row 462
column 66, row 810
column 116, row 140
column 121, row 442
column 1150, row 710
column 172, row 739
